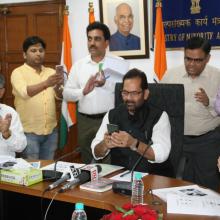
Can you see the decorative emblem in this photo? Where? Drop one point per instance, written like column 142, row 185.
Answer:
column 195, row 8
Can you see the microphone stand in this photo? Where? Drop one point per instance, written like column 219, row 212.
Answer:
column 54, row 174
column 126, row 187
column 139, row 159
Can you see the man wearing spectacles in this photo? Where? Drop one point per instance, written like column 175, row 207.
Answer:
column 143, row 130
column 201, row 138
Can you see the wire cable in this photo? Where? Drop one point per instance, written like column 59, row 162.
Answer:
column 45, row 216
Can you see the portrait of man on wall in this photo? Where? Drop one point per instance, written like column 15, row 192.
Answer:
column 127, row 21
column 123, row 39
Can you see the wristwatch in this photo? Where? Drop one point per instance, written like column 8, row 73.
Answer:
column 134, row 147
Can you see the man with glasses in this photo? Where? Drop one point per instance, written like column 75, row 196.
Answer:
column 123, row 39
column 201, row 138
column 12, row 138
column 143, row 130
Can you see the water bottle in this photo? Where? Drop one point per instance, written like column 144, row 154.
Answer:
column 79, row 212
column 137, row 196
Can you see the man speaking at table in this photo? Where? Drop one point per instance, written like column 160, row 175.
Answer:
column 143, row 130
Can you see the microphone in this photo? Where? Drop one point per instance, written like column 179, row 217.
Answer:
column 85, row 176
column 123, row 187
column 72, row 172
column 82, row 178
column 59, row 181
column 54, row 174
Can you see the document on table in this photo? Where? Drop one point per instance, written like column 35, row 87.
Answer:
column 125, row 176
column 195, row 205
column 191, row 190
column 62, row 166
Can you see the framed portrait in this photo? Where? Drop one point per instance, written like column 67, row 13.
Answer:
column 128, row 24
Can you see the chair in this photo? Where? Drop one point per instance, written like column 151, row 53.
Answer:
column 170, row 98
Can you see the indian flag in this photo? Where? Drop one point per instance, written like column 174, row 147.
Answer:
column 160, row 63
column 68, row 117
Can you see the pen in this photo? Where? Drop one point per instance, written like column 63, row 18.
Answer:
column 124, row 174
column 106, row 77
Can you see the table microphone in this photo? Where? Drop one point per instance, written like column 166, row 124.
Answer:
column 59, row 181
column 54, row 174
column 124, row 187
column 83, row 177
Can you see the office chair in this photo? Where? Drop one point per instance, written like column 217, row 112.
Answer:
column 169, row 98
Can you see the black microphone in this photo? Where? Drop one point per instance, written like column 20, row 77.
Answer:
column 83, row 177
column 59, row 181
column 155, row 80
column 124, row 187
column 54, row 174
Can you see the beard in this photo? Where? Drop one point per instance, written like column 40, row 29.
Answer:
column 131, row 106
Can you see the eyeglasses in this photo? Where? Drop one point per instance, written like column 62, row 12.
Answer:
column 132, row 94
column 195, row 60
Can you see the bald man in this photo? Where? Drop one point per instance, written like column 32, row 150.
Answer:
column 122, row 39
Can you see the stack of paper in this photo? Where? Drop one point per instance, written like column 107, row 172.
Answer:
column 190, row 199
column 195, row 205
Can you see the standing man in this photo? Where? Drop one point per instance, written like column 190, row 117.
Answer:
column 201, row 138
column 143, row 130
column 35, row 87
column 12, row 138
column 89, row 89
column 123, row 39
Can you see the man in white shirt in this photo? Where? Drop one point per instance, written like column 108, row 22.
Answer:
column 89, row 88
column 143, row 130
column 12, row 138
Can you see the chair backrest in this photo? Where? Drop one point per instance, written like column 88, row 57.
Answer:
column 169, row 98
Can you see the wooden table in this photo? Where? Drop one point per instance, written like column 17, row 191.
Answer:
column 107, row 200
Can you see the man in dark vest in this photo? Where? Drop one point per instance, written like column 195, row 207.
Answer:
column 143, row 130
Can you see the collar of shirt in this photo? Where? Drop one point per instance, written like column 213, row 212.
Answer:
column 27, row 66
column 203, row 75
column 89, row 60
column 121, row 36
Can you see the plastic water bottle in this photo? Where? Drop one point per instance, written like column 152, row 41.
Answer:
column 79, row 212
column 137, row 196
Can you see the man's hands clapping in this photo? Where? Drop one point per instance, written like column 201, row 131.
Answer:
column 97, row 80
column 5, row 125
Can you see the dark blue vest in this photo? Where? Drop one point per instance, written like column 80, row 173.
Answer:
column 139, row 126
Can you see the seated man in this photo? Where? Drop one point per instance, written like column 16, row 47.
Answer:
column 12, row 138
column 143, row 130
